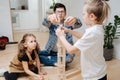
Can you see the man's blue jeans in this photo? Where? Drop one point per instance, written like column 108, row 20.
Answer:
column 49, row 59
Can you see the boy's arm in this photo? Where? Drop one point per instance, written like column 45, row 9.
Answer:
column 70, row 48
column 74, row 33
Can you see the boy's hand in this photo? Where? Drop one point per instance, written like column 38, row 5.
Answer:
column 65, row 29
column 60, row 32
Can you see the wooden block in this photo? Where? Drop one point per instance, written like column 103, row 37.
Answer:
column 73, row 72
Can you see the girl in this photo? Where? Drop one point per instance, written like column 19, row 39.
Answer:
column 90, row 45
column 24, row 60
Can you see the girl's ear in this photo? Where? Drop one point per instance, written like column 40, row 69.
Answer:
column 92, row 16
column 25, row 44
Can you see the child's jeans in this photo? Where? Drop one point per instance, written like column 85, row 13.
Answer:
column 15, row 75
column 50, row 59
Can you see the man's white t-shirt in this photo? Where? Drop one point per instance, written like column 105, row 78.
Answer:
column 93, row 64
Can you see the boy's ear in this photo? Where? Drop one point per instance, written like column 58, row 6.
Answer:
column 92, row 16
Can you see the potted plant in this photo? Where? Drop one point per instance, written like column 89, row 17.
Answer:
column 53, row 4
column 50, row 10
column 109, row 36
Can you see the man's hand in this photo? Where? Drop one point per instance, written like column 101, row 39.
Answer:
column 54, row 19
column 70, row 21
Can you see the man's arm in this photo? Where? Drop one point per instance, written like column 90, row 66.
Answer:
column 46, row 23
column 51, row 19
column 78, row 24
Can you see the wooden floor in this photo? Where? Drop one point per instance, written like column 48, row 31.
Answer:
column 113, row 66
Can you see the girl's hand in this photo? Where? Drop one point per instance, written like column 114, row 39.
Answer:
column 39, row 77
column 42, row 73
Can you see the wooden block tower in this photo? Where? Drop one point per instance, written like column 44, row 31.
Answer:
column 61, row 61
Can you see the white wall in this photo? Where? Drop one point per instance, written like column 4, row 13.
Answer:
column 74, row 7
column 115, row 10
column 5, row 20
column 40, row 14
column 29, row 19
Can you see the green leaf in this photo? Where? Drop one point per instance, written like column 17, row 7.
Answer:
column 110, row 31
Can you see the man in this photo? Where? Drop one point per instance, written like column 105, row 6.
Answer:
column 49, row 55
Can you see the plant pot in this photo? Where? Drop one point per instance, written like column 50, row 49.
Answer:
column 49, row 11
column 108, row 54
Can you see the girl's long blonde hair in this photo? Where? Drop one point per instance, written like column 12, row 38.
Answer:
column 99, row 8
column 22, row 49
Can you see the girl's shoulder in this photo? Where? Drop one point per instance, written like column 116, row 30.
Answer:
column 24, row 57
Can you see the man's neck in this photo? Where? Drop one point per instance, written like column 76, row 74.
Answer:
column 62, row 21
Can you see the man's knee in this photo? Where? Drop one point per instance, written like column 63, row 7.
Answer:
column 43, row 52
